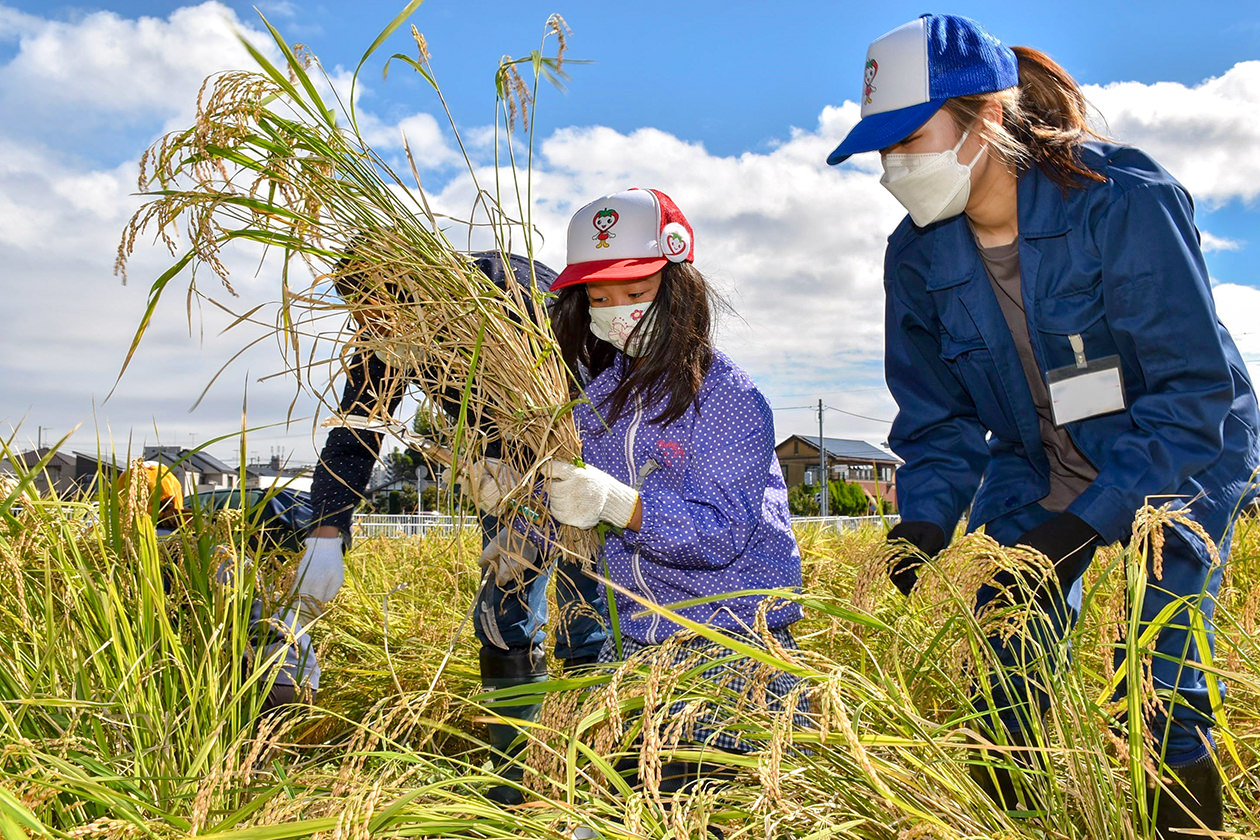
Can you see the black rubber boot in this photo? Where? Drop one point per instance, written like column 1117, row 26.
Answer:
column 575, row 665
column 1195, row 792
column 996, row 778
column 505, row 669
column 283, row 698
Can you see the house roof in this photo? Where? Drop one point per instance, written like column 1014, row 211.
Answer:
column 33, row 457
column 851, row 450
column 202, row 462
column 104, row 460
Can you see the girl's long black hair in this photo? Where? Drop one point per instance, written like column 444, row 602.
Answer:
column 678, row 354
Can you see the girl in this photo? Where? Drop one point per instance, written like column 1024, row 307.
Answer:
column 678, row 444
column 1048, row 293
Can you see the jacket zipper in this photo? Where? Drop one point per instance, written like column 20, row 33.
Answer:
column 633, row 473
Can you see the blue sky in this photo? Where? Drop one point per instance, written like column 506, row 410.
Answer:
column 728, row 106
column 731, row 75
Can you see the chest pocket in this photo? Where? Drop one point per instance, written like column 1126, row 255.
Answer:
column 1081, row 314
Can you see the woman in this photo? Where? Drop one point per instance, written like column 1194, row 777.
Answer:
column 1052, row 340
column 678, row 444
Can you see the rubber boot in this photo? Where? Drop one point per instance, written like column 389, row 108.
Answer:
column 576, row 665
column 505, row 669
column 997, row 780
column 283, row 697
column 1199, row 788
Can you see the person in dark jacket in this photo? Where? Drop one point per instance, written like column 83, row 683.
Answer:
column 677, row 445
column 1056, row 357
column 511, row 613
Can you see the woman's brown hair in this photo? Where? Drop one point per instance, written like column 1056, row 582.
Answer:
column 1044, row 120
column 678, row 354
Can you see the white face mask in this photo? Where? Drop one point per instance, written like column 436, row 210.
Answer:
column 615, row 323
column 931, row 186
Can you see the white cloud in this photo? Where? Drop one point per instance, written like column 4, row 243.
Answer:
column 1239, row 310
column 1207, row 135
column 425, row 137
column 795, row 246
column 107, row 63
column 1210, row 243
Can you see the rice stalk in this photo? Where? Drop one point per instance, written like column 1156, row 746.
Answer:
column 268, row 162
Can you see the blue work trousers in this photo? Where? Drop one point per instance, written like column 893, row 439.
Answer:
column 1187, row 572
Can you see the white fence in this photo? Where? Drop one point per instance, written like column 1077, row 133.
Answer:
column 408, row 524
column 419, row 524
column 846, row 523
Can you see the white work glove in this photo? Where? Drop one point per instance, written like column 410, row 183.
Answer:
column 489, row 481
column 319, row 576
column 401, row 356
column 585, row 496
column 509, row 554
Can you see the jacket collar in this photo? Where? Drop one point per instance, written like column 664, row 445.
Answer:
column 1041, row 215
column 1041, row 204
column 954, row 256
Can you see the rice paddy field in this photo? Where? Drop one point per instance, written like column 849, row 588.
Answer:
column 130, row 684
column 129, row 691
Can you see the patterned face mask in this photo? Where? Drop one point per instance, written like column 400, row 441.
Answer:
column 615, row 323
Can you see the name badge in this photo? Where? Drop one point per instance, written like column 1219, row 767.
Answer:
column 1089, row 388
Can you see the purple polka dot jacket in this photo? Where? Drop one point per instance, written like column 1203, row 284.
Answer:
column 715, row 509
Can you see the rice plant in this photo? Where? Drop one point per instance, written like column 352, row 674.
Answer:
column 129, row 689
column 273, row 159
column 129, row 686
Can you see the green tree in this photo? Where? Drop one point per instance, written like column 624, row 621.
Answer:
column 409, row 498
column 847, row 499
column 803, row 501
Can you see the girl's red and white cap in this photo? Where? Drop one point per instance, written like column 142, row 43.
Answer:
column 625, row 236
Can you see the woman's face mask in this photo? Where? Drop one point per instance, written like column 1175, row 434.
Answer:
column 931, row 186
column 615, row 323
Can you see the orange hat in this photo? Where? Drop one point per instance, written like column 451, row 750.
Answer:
column 165, row 491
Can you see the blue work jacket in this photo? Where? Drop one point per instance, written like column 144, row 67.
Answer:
column 1117, row 263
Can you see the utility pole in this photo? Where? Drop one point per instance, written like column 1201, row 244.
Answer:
column 822, row 464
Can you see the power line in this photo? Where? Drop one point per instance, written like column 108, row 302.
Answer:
column 839, row 393
column 863, row 416
column 832, row 408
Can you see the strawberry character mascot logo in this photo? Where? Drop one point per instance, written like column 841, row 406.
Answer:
column 603, row 221
column 675, row 245
column 622, row 327
column 868, row 79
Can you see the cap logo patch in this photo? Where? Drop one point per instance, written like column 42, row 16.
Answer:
column 675, row 242
column 603, row 222
column 868, row 79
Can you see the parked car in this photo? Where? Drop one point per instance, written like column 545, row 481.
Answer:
column 281, row 516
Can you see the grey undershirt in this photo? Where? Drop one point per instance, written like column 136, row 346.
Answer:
column 1070, row 471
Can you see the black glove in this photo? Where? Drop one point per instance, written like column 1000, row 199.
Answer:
column 1067, row 541
column 927, row 538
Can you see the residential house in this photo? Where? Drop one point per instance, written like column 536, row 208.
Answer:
column 872, row 468
column 58, row 476
column 276, row 473
column 198, row 471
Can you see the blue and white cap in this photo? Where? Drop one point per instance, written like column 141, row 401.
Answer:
column 911, row 71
